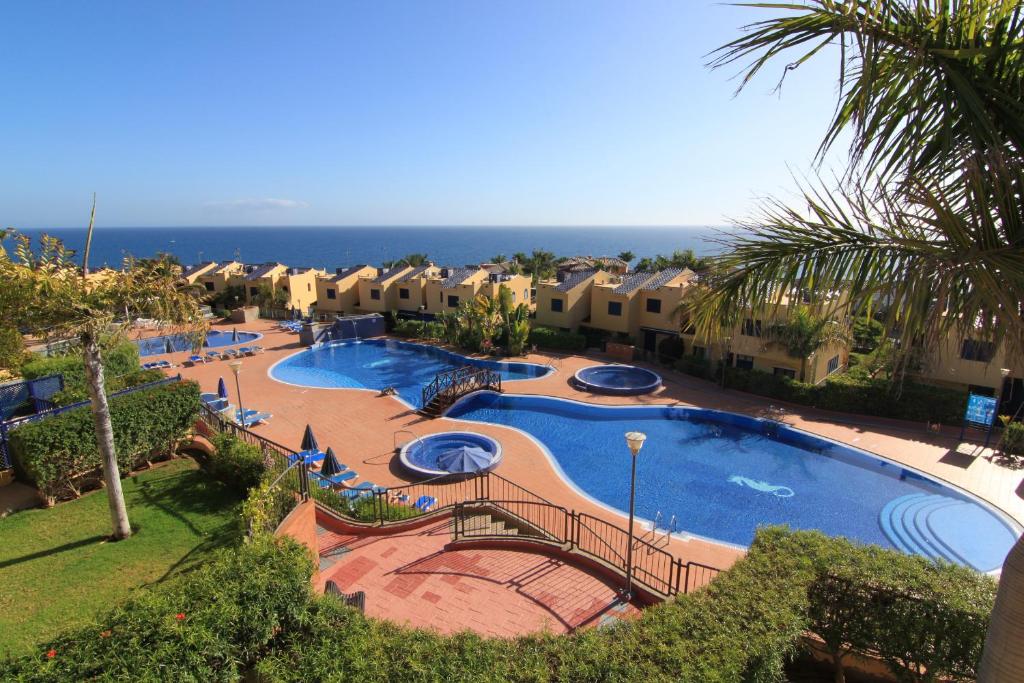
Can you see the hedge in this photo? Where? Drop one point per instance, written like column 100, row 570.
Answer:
column 120, row 366
column 252, row 607
column 12, row 348
column 550, row 338
column 59, row 454
column 236, row 463
column 842, row 393
column 1012, row 440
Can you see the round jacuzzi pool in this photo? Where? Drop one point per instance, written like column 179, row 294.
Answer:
column 620, row 380
column 450, row 453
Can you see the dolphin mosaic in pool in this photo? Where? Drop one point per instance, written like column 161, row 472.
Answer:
column 763, row 486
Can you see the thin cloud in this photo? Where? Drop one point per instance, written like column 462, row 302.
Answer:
column 264, row 204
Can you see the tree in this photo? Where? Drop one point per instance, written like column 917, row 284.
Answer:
column 49, row 295
column 929, row 216
column 413, row 260
column 499, row 259
column 270, row 298
column 627, row 256
column 803, row 333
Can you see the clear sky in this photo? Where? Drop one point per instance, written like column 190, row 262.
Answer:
column 548, row 112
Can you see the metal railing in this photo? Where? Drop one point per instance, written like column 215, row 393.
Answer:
column 451, row 384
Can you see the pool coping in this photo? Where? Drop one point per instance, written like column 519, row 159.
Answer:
column 996, row 511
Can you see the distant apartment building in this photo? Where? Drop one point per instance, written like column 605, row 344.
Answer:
column 297, row 284
column 518, row 285
column 192, row 273
column 565, row 302
column 452, row 286
column 338, row 294
column 219, row 276
column 641, row 306
column 379, row 293
column 411, row 289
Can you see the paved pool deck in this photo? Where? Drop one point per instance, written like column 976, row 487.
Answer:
column 364, row 427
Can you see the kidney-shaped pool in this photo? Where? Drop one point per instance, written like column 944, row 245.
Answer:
column 381, row 363
column 722, row 475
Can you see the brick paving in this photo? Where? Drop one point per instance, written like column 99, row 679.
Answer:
column 411, row 578
column 363, row 428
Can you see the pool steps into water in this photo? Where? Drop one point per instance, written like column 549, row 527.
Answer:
column 906, row 522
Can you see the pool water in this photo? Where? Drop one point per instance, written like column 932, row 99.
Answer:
column 621, row 380
column 380, row 363
column 723, row 475
column 154, row 346
column 422, row 455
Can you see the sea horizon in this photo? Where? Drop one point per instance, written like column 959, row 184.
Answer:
column 331, row 247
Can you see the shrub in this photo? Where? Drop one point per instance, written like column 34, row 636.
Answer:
column 550, row 338
column 595, row 338
column 208, row 625
column 867, row 334
column 433, row 331
column 698, row 367
column 409, row 328
column 120, row 366
column 12, row 348
column 1012, row 441
column 59, row 454
column 236, row 463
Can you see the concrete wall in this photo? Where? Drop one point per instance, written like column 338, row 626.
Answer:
column 945, row 367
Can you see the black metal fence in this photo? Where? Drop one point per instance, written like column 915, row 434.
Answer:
column 451, row 384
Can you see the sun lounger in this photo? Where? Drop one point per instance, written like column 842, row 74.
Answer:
column 246, row 350
column 251, row 418
column 230, row 353
column 424, row 503
column 196, row 360
column 213, row 355
column 363, row 489
column 256, row 349
column 309, row 456
column 341, row 478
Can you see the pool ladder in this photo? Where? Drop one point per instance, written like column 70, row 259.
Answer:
column 394, row 439
column 655, row 541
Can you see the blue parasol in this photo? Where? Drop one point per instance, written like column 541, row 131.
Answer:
column 222, row 389
column 330, row 466
column 464, row 459
column 309, row 441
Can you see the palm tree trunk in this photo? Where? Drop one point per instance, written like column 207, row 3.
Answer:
column 1003, row 656
column 105, row 436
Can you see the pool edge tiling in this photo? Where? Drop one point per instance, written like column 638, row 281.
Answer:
column 753, row 493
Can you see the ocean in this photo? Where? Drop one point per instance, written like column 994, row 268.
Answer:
column 332, row 247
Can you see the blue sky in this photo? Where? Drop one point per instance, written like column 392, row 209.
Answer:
column 553, row 112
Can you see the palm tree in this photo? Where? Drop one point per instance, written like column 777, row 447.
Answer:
column 803, row 333
column 627, row 256
column 499, row 258
column 929, row 217
column 413, row 260
column 45, row 292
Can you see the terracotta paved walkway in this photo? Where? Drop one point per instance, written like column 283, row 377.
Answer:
column 409, row 578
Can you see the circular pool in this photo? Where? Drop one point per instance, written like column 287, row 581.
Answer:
column 183, row 341
column 618, row 380
column 455, row 453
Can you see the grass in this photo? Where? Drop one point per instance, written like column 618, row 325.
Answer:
column 59, row 570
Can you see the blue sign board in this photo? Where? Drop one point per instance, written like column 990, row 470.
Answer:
column 981, row 410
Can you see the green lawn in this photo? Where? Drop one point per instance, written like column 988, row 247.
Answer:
column 58, row 570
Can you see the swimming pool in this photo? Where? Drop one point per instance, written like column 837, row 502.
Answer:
column 617, row 380
column 458, row 453
column 722, row 475
column 380, row 363
column 154, row 346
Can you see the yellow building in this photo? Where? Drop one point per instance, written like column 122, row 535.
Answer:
column 518, row 285
column 378, row 293
column 338, row 294
column 452, row 286
column 977, row 366
column 221, row 276
column 192, row 273
column 411, row 288
column 641, row 306
column 565, row 303
column 298, row 284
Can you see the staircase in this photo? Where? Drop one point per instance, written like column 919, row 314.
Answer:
column 942, row 528
column 487, row 521
column 447, row 387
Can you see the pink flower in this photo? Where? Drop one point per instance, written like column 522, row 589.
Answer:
column 180, row 616
column 51, row 654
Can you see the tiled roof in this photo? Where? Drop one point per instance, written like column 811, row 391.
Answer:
column 262, row 271
column 633, row 282
column 388, row 274
column 457, row 276
column 222, row 265
column 415, row 272
column 192, row 270
column 664, row 276
column 347, row 272
column 575, row 279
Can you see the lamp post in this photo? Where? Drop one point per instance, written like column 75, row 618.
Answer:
column 635, row 441
column 236, row 367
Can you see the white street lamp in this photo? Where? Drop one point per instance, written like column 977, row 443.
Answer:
column 236, row 367
column 635, row 441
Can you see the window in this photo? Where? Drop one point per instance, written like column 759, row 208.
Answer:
column 833, row 365
column 209, row 286
column 526, row 295
column 453, row 301
column 253, row 291
column 784, row 372
column 698, row 351
column 403, row 293
column 284, row 289
column 977, row 350
column 332, row 293
column 375, row 294
column 654, row 305
column 751, row 328
column 309, row 287
column 614, row 308
column 556, row 305
column 513, row 297
column 744, row 362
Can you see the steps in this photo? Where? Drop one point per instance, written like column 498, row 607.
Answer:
column 483, row 524
column 942, row 528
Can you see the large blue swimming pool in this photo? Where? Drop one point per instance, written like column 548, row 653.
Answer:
column 154, row 346
column 722, row 475
column 379, row 363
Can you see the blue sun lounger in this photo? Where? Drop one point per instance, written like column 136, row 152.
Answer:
column 195, row 360
column 363, row 489
column 213, row 355
column 424, row 503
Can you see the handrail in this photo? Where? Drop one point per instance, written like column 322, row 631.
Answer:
column 452, row 384
column 394, row 437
